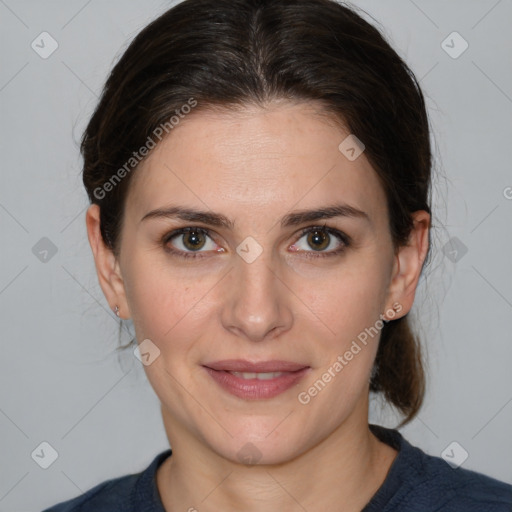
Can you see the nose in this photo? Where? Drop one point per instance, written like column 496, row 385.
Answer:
column 257, row 302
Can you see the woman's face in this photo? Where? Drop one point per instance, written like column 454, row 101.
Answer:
column 259, row 279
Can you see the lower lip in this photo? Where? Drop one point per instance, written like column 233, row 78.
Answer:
column 256, row 389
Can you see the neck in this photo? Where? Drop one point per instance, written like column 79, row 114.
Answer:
column 341, row 472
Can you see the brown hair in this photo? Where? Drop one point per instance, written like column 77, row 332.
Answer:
column 229, row 53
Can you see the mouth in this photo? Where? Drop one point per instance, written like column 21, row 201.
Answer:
column 256, row 381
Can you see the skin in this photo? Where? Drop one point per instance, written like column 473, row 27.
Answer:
column 255, row 166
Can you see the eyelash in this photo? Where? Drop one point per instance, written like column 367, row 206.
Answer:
column 342, row 237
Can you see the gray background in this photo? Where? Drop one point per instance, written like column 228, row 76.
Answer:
column 60, row 378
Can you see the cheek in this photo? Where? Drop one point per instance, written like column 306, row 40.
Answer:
column 171, row 310
column 348, row 299
column 166, row 305
column 349, row 305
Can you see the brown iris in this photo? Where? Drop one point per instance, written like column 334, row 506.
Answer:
column 194, row 240
column 318, row 240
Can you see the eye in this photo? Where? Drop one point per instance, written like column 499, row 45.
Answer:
column 322, row 240
column 189, row 240
column 319, row 241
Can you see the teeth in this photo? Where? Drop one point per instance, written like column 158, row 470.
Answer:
column 259, row 376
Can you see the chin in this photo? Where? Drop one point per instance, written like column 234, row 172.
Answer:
column 257, row 441
column 262, row 452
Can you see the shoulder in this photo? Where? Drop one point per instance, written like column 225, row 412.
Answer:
column 122, row 494
column 461, row 489
column 426, row 483
column 109, row 495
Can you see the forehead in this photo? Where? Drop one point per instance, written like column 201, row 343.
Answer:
column 255, row 160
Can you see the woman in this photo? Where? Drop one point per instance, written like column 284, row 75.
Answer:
column 259, row 173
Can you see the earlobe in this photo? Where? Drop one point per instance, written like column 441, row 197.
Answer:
column 408, row 264
column 107, row 266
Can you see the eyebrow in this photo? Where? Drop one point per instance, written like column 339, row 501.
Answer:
column 291, row 219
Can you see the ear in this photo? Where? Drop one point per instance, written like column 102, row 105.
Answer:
column 107, row 266
column 408, row 264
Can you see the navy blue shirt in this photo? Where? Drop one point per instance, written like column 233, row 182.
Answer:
column 416, row 482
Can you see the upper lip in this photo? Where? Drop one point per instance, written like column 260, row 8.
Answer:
column 240, row 365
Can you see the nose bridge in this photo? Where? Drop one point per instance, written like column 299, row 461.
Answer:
column 255, row 304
